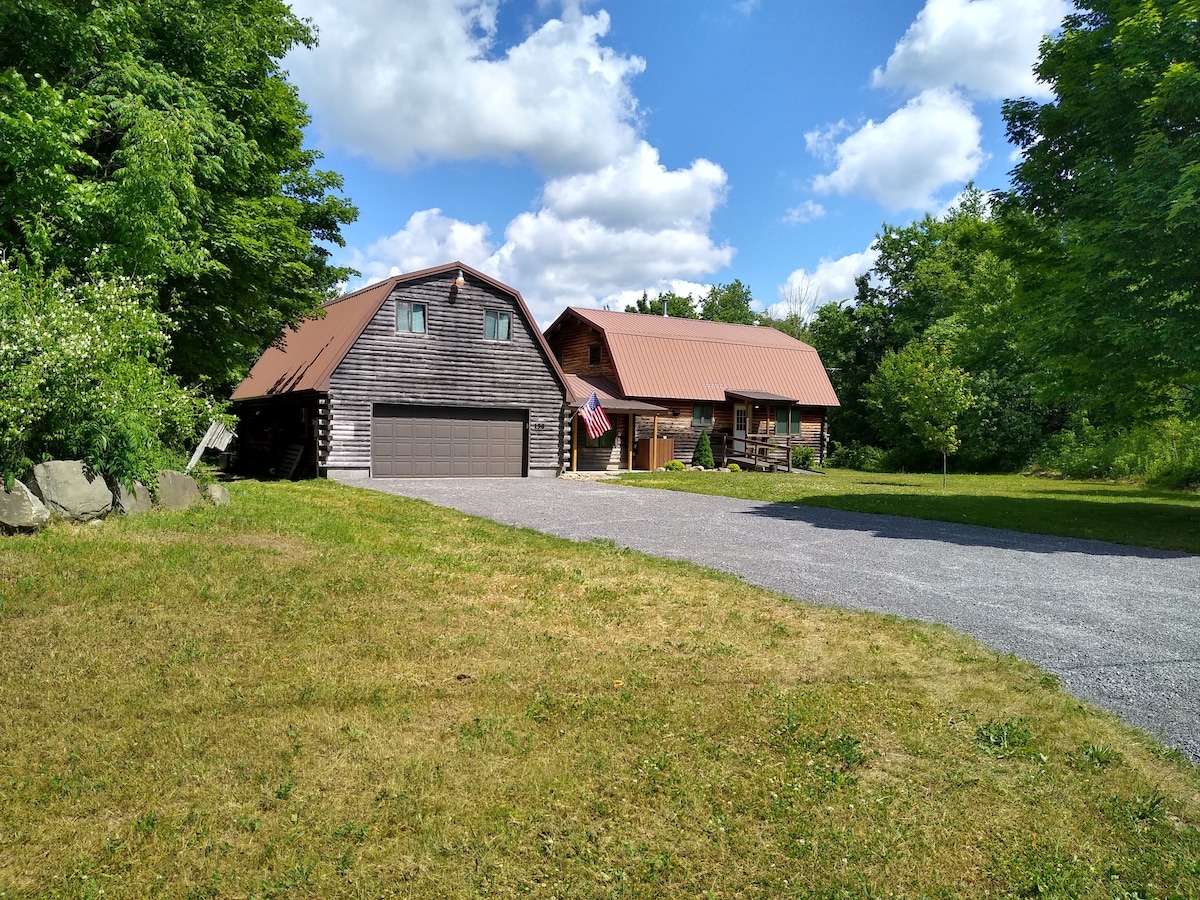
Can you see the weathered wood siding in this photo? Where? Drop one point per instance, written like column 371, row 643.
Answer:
column 450, row 365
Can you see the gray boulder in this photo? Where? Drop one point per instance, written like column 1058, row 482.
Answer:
column 134, row 502
column 217, row 494
column 69, row 493
column 177, row 491
column 20, row 510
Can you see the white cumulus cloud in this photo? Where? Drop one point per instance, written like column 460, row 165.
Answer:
column 901, row 162
column 415, row 80
column 808, row 211
column 832, row 281
column 427, row 239
column 639, row 191
column 592, row 241
column 987, row 47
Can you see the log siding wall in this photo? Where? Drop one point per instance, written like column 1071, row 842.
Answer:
column 572, row 340
column 450, row 365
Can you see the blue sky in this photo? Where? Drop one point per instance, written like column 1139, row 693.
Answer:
column 584, row 152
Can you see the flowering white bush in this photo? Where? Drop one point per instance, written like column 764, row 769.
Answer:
column 83, row 376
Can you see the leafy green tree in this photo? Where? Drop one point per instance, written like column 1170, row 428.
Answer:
column 728, row 303
column 160, row 140
column 947, row 280
column 702, row 455
column 677, row 307
column 920, row 389
column 1106, row 208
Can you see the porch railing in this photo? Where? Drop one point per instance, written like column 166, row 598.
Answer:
column 760, row 451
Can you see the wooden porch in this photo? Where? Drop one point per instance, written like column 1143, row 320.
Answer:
column 758, row 453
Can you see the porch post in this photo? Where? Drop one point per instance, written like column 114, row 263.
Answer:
column 629, row 441
column 574, row 442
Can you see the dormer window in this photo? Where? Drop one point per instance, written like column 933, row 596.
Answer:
column 594, row 355
column 497, row 325
column 410, row 317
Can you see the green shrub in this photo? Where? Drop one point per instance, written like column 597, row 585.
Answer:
column 1165, row 452
column 703, row 455
column 83, row 367
column 674, row 466
column 854, row 455
column 803, row 457
column 734, row 467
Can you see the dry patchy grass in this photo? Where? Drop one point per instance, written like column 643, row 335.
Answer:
column 325, row 692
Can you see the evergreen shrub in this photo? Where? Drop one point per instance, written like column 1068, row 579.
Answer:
column 703, row 455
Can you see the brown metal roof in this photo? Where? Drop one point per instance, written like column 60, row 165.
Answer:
column 306, row 357
column 580, row 388
column 660, row 358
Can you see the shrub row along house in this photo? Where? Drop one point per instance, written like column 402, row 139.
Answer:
column 443, row 373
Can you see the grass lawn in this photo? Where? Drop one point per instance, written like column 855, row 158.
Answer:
column 1121, row 513
column 324, row 692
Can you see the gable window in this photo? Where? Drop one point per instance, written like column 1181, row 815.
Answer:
column 782, row 417
column 702, row 415
column 410, row 317
column 497, row 325
column 594, row 355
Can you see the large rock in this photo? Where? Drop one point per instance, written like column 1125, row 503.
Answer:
column 20, row 510
column 177, row 491
column 217, row 494
column 68, row 493
column 133, row 502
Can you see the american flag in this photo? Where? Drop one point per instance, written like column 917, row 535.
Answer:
column 594, row 418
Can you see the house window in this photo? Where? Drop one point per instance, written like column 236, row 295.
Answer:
column 497, row 326
column 739, row 420
column 702, row 415
column 594, row 355
column 410, row 317
column 781, row 421
column 608, row 439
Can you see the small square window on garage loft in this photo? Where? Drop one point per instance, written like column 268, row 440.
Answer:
column 410, row 317
column 593, row 354
column 497, row 325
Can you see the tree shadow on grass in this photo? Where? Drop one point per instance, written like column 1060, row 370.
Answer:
column 892, row 516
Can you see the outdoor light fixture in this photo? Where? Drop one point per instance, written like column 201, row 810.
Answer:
column 459, row 281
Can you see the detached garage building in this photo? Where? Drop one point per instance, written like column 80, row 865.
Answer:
column 438, row 373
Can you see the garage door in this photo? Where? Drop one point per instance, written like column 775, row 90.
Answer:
column 419, row 442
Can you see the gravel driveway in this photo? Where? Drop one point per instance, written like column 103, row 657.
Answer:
column 1119, row 625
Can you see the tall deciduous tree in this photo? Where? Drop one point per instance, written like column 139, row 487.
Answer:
column 159, row 139
column 728, row 303
column 1107, row 202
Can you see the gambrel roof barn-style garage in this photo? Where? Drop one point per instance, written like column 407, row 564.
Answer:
column 440, row 372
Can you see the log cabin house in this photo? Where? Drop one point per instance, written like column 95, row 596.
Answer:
column 757, row 391
column 438, row 373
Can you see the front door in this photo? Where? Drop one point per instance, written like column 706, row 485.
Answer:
column 739, row 430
